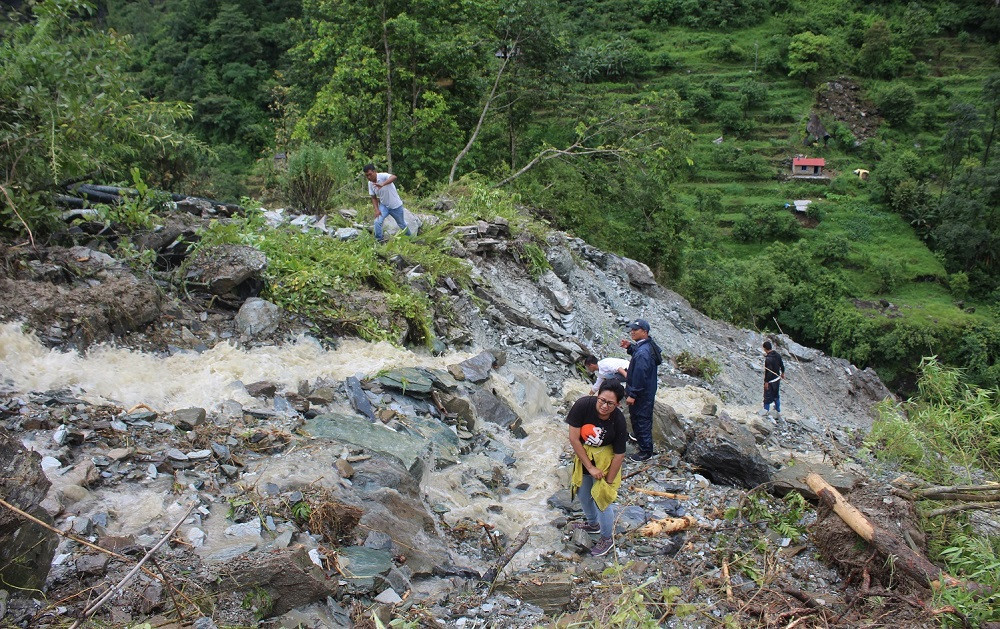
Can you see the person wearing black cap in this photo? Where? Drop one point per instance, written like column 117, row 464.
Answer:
column 640, row 385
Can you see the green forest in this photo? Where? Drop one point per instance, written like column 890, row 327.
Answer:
column 663, row 130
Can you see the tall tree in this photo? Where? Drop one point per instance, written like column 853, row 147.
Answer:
column 402, row 76
column 809, row 56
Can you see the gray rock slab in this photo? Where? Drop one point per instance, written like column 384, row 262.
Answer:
column 476, row 369
column 187, row 418
column 359, row 401
column 359, row 562
column 409, row 380
column 409, row 449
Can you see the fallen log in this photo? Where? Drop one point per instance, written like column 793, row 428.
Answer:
column 885, row 542
column 666, row 525
column 516, row 545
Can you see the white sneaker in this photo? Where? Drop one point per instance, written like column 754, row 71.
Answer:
column 777, row 415
column 762, row 412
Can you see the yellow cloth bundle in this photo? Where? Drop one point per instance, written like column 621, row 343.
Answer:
column 603, row 493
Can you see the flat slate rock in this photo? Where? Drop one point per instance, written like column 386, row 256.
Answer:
column 358, row 399
column 793, row 478
column 409, row 380
column 359, row 562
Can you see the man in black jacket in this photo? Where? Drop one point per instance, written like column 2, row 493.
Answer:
column 774, row 373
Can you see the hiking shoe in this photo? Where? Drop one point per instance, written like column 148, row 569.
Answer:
column 776, row 415
column 762, row 412
column 602, row 547
column 586, row 527
column 640, row 456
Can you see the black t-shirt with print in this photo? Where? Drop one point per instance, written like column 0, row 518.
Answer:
column 611, row 431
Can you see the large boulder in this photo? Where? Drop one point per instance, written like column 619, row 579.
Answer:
column 26, row 548
column 226, row 269
column 727, row 454
column 667, row 426
column 257, row 317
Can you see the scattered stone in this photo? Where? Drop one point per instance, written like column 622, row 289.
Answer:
column 95, row 564
column 261, row 389
column 229, row 268
column 287, row 575
column 257, row 317
column 187, row 418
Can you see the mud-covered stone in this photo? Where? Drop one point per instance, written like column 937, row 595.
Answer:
column 229, row 268
column 287, row 575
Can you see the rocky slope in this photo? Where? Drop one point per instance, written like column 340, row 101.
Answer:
column 327, row 487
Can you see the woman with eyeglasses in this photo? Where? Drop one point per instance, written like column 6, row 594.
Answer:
column 598, row 435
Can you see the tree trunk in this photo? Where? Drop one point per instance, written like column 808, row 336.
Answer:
column 479, row 123
column 388, row 94
column 910, row 562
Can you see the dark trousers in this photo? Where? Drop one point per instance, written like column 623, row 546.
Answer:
column 772, row 394
column 642, row 427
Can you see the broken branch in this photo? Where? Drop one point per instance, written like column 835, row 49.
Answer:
column 933, row 491
column 962, row 507
column 90, row 611
column 516, row 545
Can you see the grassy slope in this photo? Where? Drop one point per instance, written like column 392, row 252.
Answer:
column 876, row 236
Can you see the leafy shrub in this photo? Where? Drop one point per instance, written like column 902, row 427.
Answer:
column 753, row 94
column 702, row 102
column 761, row 222
column 314, row 173
column 958, row 284
column 733, row 119
column 697, row 366
column 896, row 102
column 708, row 200
column 613, row 60
column 890, row 273
column 728, row 50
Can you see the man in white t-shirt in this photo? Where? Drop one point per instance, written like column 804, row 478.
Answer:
column 612, row 370
column 385, row 200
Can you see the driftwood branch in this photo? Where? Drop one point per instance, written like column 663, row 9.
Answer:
column 90, row 611
column 516, row 545
column 666, row 525
column 885, row 542
column 660, row 494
